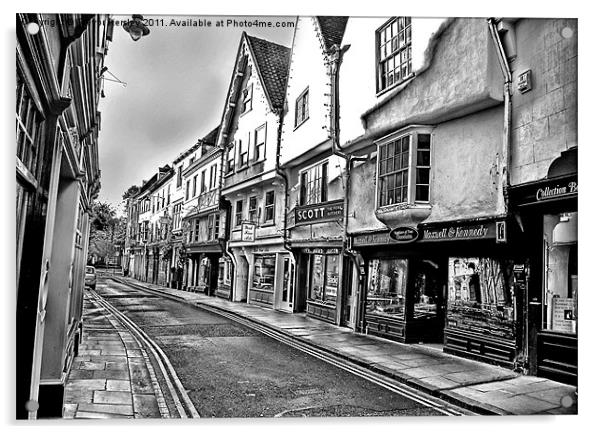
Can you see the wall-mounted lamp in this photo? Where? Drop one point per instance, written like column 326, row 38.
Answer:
column 115, row 79
column 136, row 27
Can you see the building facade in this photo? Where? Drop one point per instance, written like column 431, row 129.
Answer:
column 204, row 219
column 543, row 184
column 409, row 178
column 315, row 171
column 59, row 61
column 249, row 136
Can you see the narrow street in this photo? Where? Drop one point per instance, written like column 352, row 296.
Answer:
column 230, row 370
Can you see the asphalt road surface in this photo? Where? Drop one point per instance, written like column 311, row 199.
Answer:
column 230, row 370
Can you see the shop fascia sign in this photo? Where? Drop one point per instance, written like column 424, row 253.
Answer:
column 448, row 232
column 322, row 212
column 320, row 251
column 247, row 231
column 545, row 191
column 461, row 232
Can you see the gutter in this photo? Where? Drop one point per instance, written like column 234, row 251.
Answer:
column 507, row 139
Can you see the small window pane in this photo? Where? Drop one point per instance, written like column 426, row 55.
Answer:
column 423, row 158
column 424, row 141
column 422, row 193
column 405, row 144
column 422, row 176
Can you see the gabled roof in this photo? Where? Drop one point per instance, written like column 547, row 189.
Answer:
column 272, row 61
column 332, row 30
column 211, row 138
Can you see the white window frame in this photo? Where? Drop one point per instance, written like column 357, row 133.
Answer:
column 412, row 131
column 392, row 49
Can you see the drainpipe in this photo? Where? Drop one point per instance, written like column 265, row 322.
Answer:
column 337, row 59
column 280, row 172
column 503, row 59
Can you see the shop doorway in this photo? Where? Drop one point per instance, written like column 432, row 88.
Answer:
column 284, row 288
column 428, row 298
column 349, row 294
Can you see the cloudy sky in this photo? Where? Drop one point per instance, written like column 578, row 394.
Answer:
column 177, row 79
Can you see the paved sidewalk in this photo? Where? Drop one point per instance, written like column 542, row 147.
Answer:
column 474, row 385
column 110, row 378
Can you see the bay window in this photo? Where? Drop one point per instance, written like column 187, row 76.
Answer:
column 404, row 169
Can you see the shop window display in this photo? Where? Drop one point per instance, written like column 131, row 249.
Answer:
column 560, row 272
column 224, row 271
column 480, row 296
column 263, row 272
column 387, row 281
column 324, row 278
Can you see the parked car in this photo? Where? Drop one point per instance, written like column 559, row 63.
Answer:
column 90, row 279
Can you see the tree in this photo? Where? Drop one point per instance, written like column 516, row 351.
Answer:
column 130, row 192
column 106, row 230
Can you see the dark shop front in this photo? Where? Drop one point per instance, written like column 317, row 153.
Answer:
column 547, row 210
column 317, row 244
column 449, row 285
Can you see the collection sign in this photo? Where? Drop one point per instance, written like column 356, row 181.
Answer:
column 247, row 232
column 321, row 212
column 404, row 234
column 564, row 187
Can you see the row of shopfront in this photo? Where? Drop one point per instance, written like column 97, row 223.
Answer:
column 500, row 290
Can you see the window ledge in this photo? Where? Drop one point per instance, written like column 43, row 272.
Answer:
column 403, row 214
column 268, row 224
column 302, row 122
column 241, row 168
column 393, row 86
column 258, row 161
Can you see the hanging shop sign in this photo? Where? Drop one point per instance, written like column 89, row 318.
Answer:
column 404, row 234
column 247, row 232
column 316, row 213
